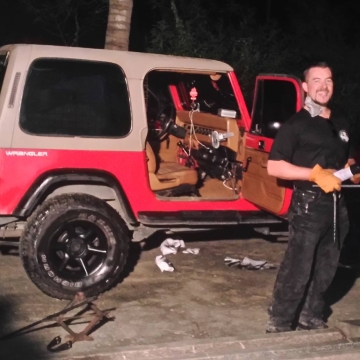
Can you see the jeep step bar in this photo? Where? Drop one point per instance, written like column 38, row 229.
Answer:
column 207, row 218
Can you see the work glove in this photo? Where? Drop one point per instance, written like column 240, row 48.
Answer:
column 325, row 179
column 356, row 178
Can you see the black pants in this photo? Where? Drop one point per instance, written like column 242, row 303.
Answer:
column 311, row 258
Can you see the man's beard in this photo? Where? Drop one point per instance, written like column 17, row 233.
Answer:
column 320, row 103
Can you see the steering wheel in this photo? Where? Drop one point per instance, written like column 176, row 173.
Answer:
column 163, row 122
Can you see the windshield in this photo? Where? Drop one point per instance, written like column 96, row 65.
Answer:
column 3, row 62
column 214, row 91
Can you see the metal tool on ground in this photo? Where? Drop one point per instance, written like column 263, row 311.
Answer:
column 96, row 318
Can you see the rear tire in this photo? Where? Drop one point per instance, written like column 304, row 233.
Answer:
column 74, row 242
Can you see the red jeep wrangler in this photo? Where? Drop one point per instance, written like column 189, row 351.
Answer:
column 99, row 148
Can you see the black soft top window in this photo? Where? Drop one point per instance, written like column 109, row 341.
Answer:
column 75, row 98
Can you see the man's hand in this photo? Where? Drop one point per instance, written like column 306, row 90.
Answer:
column 325, row 179
column 356, row 178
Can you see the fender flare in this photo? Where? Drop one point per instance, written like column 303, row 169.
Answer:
column 48, row 182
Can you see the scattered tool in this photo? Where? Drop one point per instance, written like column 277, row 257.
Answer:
column 80, row 301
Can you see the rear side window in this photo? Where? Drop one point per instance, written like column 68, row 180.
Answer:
column 4, row 55
column 75, row 98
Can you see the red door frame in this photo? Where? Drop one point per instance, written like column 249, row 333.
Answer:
column 252, row 140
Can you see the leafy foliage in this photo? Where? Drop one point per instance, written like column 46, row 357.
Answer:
column 234, row 32
column 224, row 31
column 254, row 36
column 68, row 19
column 324, row 32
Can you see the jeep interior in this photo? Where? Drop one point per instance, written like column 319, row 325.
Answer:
column 194, row 146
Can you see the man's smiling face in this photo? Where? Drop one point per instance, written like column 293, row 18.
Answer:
column 319, row 85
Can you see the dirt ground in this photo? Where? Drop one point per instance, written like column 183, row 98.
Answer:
column 201, row 299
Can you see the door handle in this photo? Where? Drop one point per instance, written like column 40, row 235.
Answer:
column 261, row 144
column 248, row 160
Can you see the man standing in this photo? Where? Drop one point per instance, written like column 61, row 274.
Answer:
column 308, row 148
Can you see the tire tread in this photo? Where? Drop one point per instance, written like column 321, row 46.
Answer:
column 57, row 205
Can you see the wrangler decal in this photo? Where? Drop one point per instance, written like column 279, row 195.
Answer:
column 26, row 153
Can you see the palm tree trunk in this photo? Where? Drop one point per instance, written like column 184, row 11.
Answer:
column 118, row 26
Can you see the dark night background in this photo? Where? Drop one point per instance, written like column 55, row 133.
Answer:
column 254, row 36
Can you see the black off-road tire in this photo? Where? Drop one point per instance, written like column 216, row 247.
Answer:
column 53, row 225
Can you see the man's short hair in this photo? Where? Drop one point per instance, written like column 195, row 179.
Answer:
column 320, row 64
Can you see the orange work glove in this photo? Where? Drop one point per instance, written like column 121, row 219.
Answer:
column 356, row 178
column 325, row 179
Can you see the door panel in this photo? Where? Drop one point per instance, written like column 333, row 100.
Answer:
column 264, row 190
column 277, row 98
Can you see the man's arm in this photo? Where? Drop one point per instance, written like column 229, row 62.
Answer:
column 280, row 158
column 322, row 177
column 284, row 170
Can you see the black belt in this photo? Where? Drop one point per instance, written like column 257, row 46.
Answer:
column 314, row 190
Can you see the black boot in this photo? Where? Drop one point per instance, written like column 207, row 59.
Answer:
column 311, row 324
column 272, row 327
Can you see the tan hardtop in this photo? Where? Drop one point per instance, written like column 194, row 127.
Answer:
column 135, row 64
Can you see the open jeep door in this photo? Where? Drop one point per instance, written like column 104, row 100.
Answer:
column 276, row 99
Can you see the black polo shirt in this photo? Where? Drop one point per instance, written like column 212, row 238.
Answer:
column 306, row 141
